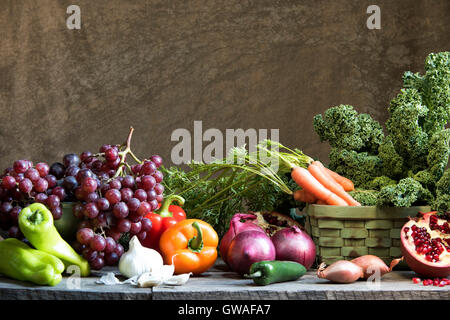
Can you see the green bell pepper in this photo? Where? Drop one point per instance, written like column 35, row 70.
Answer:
column 20, row 262
column 36, row 224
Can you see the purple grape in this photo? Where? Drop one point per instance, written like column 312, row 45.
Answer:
column 113, row 196
column 135, row 227
column 78, row 210
column 144, row 208
column 71, row 159
column 159, row 188
column 120, row 210
column 91, row 197
column 41, row 198
column 51, row 179
column 20, row 166
column 25, row 185
column 102, row 204
column 98, row 263
column 128, row 182
column 142, row 235
column 158, row 176
column 57, row 213
column 115, row 184
column 140, row 194
column 146, row 224
column 126, row 194
column 42, row 168
column 157, row 160
column 151, row 195
column 148, row 168
column 133, row 204
column 98, row 243
column 40, row 185
column 89, row 185
column 110, row 245
column 8, row 182
column 111, row 258
column 60, row 192
column 53, row 201
column 90, row 210
column 85, row 235
column 123, row 225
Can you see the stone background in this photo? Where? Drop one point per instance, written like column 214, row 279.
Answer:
column 159, row 65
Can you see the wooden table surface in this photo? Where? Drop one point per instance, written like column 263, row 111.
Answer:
column 220, row 284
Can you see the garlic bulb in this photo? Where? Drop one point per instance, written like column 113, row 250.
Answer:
column 138, row 260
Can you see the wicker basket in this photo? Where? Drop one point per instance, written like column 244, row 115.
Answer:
column 348, row 232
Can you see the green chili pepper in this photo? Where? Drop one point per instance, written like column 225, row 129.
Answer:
column 36, row 223
column 267, row 272
column 19, row 261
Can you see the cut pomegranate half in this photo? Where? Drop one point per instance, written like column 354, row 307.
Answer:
column 425, row 244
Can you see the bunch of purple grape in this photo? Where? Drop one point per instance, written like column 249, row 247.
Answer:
column 110, row 197
column 112, row 205
column 23, row 184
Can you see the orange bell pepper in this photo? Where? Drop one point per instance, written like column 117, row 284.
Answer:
column 190, row 245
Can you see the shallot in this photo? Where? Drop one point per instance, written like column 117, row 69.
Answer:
column 371, row 264
column 341, row 271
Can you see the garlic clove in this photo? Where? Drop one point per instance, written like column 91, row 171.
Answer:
column 147, row 280
column 178, row 280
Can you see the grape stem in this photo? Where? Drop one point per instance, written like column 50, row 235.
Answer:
column 124, row 153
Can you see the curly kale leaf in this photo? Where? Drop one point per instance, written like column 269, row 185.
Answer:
column 393, row 164
column 436, row 90
column 365, row 197
column 442, row 201
column 404, row 126
column 360, row 167
column 406, row 193
column 379, row 182
column 439, row 153
column 342, row 127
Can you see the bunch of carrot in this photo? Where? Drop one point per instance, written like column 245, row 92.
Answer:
column 321, row 185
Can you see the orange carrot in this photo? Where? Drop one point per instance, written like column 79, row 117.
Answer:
column 328, row 182
column 303, row 196
column 307, row 182
column 346, row 183
column 320, row 202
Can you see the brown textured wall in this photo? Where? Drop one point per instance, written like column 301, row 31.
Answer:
column 159, row 65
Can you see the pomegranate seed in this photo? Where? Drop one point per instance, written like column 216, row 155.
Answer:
column 442, row 284
column 416, row 280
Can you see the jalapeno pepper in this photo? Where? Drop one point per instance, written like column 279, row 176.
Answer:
column 20, row 262
column 162, row 219
column 36, row 223
column 267, row 272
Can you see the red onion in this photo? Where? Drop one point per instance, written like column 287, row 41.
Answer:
column 247, row 248
column 341, row 271
column 239, row 222
column 294, row 244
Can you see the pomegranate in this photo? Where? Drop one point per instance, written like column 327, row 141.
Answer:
column 425, row 244
column 274, row 221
